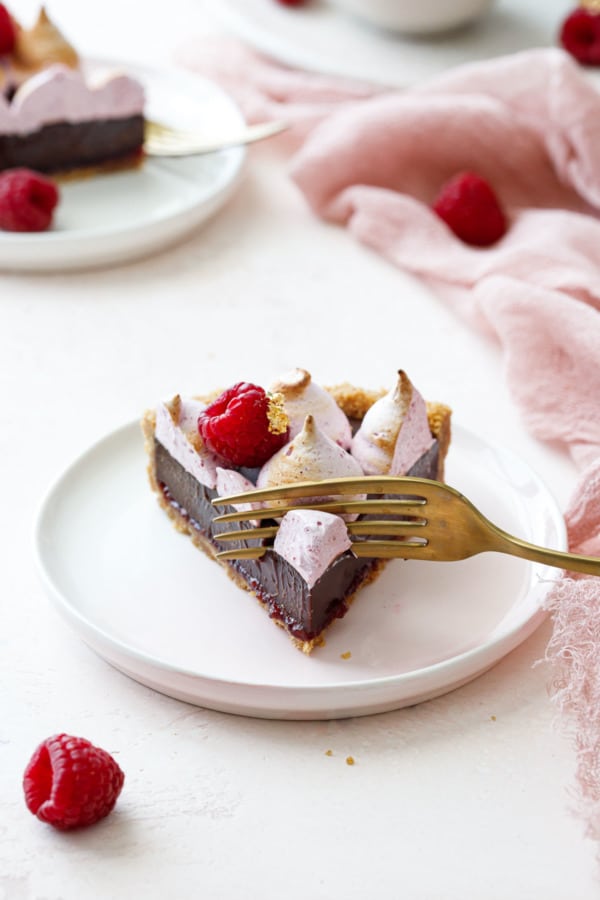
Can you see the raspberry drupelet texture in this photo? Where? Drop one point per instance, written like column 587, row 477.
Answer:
column 8, row 32
column 580, row 35
column 69, row 783
column 27, row 200
column 245, row 426
column 470, row 208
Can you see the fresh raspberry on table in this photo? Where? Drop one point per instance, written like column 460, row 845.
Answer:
column 469, row 206
column 580, row 35
column 70, row 783
column 245, row 425
column 27, row 200
column 8, row 34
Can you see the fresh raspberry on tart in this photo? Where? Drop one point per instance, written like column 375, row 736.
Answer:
column 245, row 426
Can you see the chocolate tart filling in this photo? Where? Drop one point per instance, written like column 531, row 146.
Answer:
column 64, row 146
column 304, row 611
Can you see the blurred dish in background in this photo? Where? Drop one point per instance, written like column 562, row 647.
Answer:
column 322, row 37
column 408, row 17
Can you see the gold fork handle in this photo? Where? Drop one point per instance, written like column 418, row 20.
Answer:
column 572, row 562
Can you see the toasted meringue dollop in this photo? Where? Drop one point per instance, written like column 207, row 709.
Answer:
column 303, row 397
column 43, row 45
column 310, row 541
column 177, row 431
column 394, row 433
column 60, row 94
column 310, row 456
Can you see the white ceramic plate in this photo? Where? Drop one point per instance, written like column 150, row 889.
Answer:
column 322, row 38
column 146, row 600
column 112, row 218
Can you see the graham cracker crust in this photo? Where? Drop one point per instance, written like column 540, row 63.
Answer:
column 124, row 164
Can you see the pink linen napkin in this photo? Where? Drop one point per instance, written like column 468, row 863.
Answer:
column 374, row 160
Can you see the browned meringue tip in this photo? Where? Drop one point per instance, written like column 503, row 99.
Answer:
column 43, row 44
column 292, row 383
column 309, row 426
column 404, row 388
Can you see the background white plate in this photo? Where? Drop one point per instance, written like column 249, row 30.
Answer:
column 114, row 217
column 322, row 38
column 146, row 600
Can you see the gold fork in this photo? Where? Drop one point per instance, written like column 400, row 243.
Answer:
column 431, row 521
column 164, row 140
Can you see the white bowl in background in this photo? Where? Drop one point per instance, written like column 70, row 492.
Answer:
column 415, row 16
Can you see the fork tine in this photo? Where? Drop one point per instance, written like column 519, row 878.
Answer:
column 247, row 533
column 382, row 507
column 160, row 131
column 420, row 488
column 164, row 140
column 390, row 527
column 389, row 549
column 159, row 128
column 242, row 553
column 399, row 549
column 387, row 526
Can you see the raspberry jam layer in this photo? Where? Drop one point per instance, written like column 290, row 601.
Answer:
column 304, row 611
column 64, row 146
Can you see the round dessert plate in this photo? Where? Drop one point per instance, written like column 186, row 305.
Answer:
column 144, row 598
column 114, row 217
column 323, row 38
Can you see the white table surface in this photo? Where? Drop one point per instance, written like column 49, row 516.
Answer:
column 467, row 796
